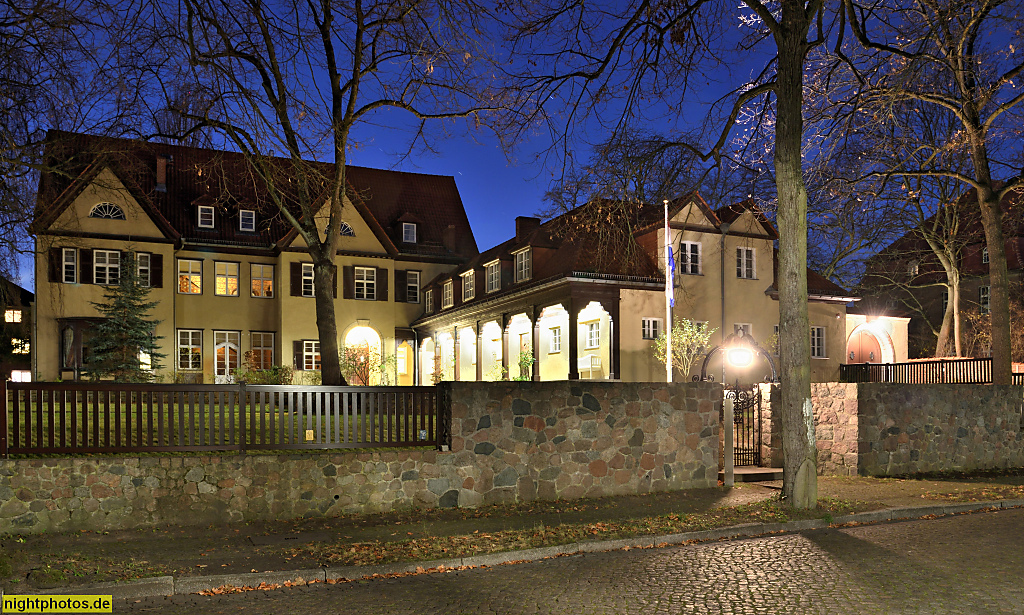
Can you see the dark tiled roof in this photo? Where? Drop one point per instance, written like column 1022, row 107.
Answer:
column 730, row 213
column 817, row 284
column 225, row 180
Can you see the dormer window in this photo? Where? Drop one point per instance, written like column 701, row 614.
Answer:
column 408, row 232
column 524, row 265
column 205, row 216
column 468, row 285
column 492, row 271
column 247, row 220
column 447, row 297
column 107, row 211
column 346, row 230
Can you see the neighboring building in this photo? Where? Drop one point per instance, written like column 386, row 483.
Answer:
column 16, row 339
column 228, row 273
column 585, row 309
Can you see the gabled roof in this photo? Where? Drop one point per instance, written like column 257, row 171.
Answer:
column 818, row 286
column 730, row 213
column 226, row 181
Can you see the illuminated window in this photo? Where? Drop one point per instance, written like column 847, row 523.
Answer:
column 226, row 281
column 262, row 349
column 261, row 279
column 12, row 315
column 447, row 298
column 310, row 355
column 190, row 277
column 190, row 349
column 19, row 346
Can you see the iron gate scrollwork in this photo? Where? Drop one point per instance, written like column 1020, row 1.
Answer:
column 746, row 425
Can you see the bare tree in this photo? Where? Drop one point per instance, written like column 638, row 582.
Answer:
column 297, row 78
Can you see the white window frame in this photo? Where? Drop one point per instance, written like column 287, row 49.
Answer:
column 259, row 343
column 106, row 262
column 555, row 345
column 69, row 265
column 447, row 295
column 746, row 263
column 12, row 315
column 523, row 265
column 194, row 274
column 205, row 217
column 144, row 268
column 247, row 220
column 593, row 339
column 346, row 230
column 365, row 284
column 412, row 286
column 311, row 355
column 308, row 288
column 191, row 341
column 746, row 327
column 428, row 298
column 468, row 285
column 686, row 264
column 651, row 328
column 408, row 232
column 818, row 343
column 492, row 271
column 984, row 255
column 258, row 278
column 985, row 299
column 228, row 272
column 106, row 211
column 20, row 346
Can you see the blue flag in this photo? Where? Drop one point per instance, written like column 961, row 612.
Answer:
column 670, row 278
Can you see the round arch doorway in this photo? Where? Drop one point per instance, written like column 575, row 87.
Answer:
column 363, row 356
column 869, row 343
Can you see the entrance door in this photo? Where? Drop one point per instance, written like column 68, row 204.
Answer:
column 225, row 356
column 863, row 348
column 746, row 425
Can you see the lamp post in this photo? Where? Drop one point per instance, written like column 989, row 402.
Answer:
column 740, row 350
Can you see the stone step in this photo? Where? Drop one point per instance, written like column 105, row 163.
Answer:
column 753, row 474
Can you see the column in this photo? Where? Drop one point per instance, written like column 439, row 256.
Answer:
column 536, row 344
column 574, row 370
column 479, row 357
column 504, row 343
column 457, row 354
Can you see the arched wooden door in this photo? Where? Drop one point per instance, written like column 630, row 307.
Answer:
column 863, row 347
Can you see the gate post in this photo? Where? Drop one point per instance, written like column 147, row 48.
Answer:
column 728, row 458
column 243, row 411
column 3, row 418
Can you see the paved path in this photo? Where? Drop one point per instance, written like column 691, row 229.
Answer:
column 964, row 564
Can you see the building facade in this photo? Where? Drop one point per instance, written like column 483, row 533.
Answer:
column 16, row 336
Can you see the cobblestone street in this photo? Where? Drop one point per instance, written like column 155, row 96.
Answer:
column 963, row 564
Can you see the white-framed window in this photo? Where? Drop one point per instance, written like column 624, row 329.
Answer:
column 190, row 277
column 69, row 265
column 429, row 300
column 983, row 299
column 984, row 255
column 205, row 215
column 745, row 327
column 447, row 299
column 144, row 268
column 190, row 349
column 524, row 265
column 913, row 268
column 308, row 290
column 311, row 354
column 107, row 211
column 408, row 232
column 247, row 220
column 261, row 280
column 818, row 343
column 412, row 286
column 106, row 267
column 593, row 334
column 651, row 328
column 347, row 230
column 261, row 349
column 745, row 264
column 690, row 257
column 366, row 283
column 468, row 285
column 226, row 281
column 20, row 346
column 12, row 315
column 492, row 271
column 556, row 340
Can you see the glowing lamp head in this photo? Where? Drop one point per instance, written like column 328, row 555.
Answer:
column 740, row 356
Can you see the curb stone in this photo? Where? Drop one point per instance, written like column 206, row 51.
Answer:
column 168, row 585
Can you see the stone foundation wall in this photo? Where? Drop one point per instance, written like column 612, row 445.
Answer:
column 510, row 442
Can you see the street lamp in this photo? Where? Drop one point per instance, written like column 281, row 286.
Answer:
column 740, row 350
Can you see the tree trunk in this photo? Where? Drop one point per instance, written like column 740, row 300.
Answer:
column 800, row 480
column 324, row 276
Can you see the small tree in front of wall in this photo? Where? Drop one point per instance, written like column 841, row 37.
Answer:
column 690, row 341
column 125, row 336
column 526, row 360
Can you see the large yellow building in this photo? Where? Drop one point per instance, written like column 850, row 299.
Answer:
column 229, row 275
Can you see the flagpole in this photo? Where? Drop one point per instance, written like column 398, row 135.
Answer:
column 669, row 297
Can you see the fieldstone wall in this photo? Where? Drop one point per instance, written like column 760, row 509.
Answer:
column 510, row 442
column 898, row 429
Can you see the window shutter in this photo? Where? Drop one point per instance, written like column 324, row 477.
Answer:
column 296, row 279
column 381, row 286
column 156, row 270
column 401, row 286
column 334, row 281
column 457, row 290
column 506, row 272
column 85, row 266
column 348, row 282
column 297, row 354
column 56, row 265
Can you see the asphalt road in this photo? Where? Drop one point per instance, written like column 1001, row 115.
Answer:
column 963, row 564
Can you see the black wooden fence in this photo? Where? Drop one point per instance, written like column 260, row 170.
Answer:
column 939, row 371
column 38, row 418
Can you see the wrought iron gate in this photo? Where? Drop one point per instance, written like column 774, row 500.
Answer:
column 746, row 425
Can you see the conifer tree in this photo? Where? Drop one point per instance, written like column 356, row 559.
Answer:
column 126, row 333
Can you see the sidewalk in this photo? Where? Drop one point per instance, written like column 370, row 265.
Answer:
column 184, row 560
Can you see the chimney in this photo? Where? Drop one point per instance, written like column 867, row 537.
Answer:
column 526, row 225
column 161, row 173
column 448, row 238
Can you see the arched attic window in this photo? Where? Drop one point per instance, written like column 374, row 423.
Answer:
column 347, row 230
column 107, row 211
